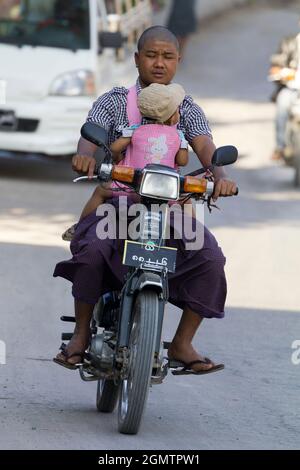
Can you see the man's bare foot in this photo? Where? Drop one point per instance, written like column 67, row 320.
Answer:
column 277, row 155
column 78, row 344
column 186, row 353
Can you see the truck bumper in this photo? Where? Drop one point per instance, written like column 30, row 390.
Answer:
column 50, row 126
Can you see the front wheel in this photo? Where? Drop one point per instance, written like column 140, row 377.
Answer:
column 297, row 159
column 134, row 390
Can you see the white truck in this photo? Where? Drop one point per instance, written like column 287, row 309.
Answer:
column 56, row 57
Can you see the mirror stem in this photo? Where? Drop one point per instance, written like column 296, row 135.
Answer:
column 201, row 170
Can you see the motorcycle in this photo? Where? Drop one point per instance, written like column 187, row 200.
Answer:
column 292, row 155
column 126, row 352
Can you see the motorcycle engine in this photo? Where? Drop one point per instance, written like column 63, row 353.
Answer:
column 106, row 310
column 102, row 351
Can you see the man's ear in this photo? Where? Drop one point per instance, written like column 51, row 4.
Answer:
column 136, row 58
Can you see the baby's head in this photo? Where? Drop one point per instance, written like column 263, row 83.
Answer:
column 160, row 103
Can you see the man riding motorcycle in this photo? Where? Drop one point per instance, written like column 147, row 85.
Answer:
column 199, row 284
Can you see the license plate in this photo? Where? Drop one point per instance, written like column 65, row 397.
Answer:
column 8, row 121
column 148, row 255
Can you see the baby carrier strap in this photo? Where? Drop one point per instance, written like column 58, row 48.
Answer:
column 133, row 113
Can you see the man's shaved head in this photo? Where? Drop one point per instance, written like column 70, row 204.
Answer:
column 157, row 33
column 158, row 56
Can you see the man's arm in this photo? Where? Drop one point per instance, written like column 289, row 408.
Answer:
column 85, row 147
column 182, row 157
column 119, row 146
column 286, row 53
column 198, row 134
column 84, row 161
column 102, row 114
column 204, row 148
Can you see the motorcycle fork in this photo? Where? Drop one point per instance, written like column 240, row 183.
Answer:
column 131, row 289
column 129, row 295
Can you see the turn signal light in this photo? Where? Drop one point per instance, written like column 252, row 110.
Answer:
column 123, row 173
column 194, row 185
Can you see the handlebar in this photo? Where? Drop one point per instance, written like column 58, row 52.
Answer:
column 235, row 194
column 104, row 171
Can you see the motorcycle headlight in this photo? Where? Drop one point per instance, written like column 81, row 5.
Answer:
column 77, row 83
column 160, row 185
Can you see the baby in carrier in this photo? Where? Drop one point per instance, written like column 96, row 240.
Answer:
column 157, row 142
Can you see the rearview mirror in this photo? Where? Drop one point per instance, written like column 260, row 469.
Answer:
column 94, row 133
column 226, row 155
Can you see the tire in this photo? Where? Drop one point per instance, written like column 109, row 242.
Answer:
column 297, row 172
column 134, row 390
column 107, row 395
column 297, row 158
column 289, row 156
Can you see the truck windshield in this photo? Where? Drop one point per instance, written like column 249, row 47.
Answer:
column 46, row 23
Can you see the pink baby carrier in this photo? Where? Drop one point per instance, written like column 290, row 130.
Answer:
column 150, row 143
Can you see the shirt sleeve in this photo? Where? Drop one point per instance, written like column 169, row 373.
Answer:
column 102, row 111
column 183, row 142
column 196, row 123
column 128, row 131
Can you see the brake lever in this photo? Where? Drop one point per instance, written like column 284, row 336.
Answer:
column 97, row 171
column 84, row 178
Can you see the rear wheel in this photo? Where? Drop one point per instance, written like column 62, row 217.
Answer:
column 297, row 172
column 134, row 390
column 107, row 395
column 296, row 142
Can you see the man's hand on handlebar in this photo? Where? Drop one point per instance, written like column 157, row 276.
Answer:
column 84, row 164
column 224, row 187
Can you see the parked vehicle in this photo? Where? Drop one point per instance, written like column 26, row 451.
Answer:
column 126, row 352
column 292, row 155
column 57, row 56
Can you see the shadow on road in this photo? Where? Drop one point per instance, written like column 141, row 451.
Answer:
column 37, row 169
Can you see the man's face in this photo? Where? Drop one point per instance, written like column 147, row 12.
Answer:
column 157, row 62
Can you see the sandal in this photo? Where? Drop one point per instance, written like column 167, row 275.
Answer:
column 65, row 353
column 187, row 367
column 69, row 233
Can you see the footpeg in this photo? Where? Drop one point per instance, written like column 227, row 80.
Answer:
column 66, row 336
column 68, row 319
column 172, row 364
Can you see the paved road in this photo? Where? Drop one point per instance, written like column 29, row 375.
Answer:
column 255, row 402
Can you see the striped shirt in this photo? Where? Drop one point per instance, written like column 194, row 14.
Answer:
column 110, row 111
